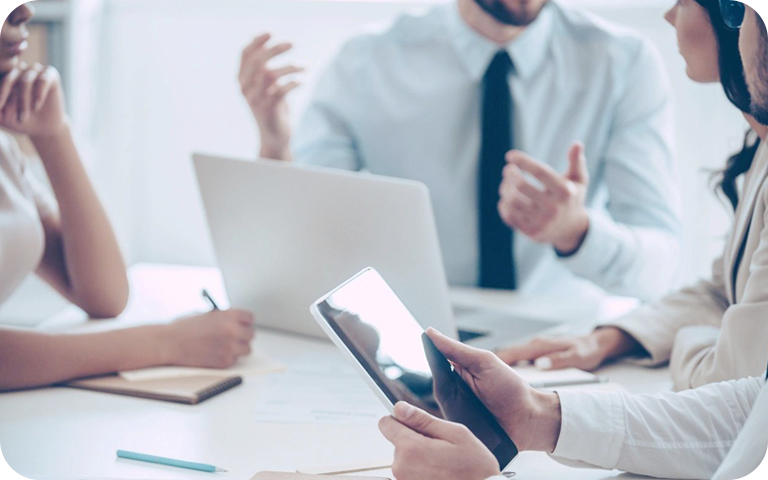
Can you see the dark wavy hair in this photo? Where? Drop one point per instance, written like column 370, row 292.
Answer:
column 735, row 86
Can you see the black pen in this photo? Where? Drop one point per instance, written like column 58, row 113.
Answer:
column 209, row 298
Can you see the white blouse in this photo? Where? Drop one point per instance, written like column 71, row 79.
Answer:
column 22, row 239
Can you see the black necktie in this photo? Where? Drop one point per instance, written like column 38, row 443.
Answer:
column 496, row 263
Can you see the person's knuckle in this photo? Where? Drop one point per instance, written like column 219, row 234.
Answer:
column 461, row 430
column 383, row 424
column 397, row 468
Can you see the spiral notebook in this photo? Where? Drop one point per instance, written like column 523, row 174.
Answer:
column 189, row 390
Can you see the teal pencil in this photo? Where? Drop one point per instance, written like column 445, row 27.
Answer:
column 168, row 461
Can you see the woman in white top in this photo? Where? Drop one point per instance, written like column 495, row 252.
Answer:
column 70, row 244
column 714, row 330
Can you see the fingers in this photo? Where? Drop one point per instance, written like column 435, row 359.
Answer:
column 555, row 361
column 264, row 84
column 243, row 317
column 428, row 425
column 397, row 433
column 287, row 70
column 250, row 51
column 577, row 164
column 470, row 358
column 255, row 44
column 554, row 182
column 532, row 350
column 6, row 87
column 43, row 86
column 25, row 85
column 256, row 60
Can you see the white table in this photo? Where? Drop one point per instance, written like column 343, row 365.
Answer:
column 66, row 433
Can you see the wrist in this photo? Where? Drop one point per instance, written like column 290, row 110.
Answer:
column 571, row 241
column 61, row 133
column 166, row 348
column 613, row 342
column 547, row 419
column 272, row 147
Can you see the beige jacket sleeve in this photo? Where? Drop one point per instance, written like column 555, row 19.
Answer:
column 741, row 348
column 656, row 326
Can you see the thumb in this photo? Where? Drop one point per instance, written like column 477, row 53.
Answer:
column 577, row 164
column 471, row 358
column 422, row 422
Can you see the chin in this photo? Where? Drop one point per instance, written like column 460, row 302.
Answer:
column 701, row 77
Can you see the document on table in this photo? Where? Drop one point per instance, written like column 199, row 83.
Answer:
column 317, row 396
column 254, row 364
column 557, row 378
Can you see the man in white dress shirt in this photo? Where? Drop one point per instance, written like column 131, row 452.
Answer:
column 442, row 97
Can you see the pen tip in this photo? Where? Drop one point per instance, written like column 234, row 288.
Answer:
column 220, row 470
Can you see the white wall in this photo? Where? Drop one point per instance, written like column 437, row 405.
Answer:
column 165, row 86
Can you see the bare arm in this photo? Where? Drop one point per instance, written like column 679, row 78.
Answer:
column 29, row 359
column 82, row 259
column 213, row 340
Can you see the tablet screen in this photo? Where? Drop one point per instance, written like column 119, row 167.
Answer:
column 403, row 362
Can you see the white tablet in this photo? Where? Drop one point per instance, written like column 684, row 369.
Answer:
column 378, row 334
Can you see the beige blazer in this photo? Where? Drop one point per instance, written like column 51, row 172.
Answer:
column 717, row 330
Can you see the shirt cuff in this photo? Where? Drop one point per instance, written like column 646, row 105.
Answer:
column 597, row 249
column 592, row 428
column 497, row 477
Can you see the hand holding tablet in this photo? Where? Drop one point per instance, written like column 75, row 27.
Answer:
column 400, row 362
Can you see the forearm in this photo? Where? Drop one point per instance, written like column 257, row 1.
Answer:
column 670, row 435
column 32, row 359
column 84, row 259
column 656, row 326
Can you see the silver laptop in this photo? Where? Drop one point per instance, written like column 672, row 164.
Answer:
column 284, row 235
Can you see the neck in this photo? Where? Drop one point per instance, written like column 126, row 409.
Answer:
column 759, row 128
column 484, row 24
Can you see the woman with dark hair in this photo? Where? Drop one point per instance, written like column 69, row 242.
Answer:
column 715, row 330
column 735, row 87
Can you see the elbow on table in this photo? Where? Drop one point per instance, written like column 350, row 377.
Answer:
column 109, row 302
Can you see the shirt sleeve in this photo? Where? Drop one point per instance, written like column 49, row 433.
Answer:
column 748, row 459
column 656, row 326
column 634, row 249
column 669, row 435
column 324, row 136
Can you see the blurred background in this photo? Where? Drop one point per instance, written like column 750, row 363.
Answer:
column 149, row 82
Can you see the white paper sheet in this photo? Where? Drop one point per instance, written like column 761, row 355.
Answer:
column 317, row 396
column 254, row 364
column 556, row 378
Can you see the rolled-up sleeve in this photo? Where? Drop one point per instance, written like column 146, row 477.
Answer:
column 634, row 249
column 669, row 435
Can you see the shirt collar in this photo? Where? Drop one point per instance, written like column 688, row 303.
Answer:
column 528, row 51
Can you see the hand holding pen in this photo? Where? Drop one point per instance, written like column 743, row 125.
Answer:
column 213, row 339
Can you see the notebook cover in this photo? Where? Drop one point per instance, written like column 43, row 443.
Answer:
column 302, row 476
column 187, row 390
